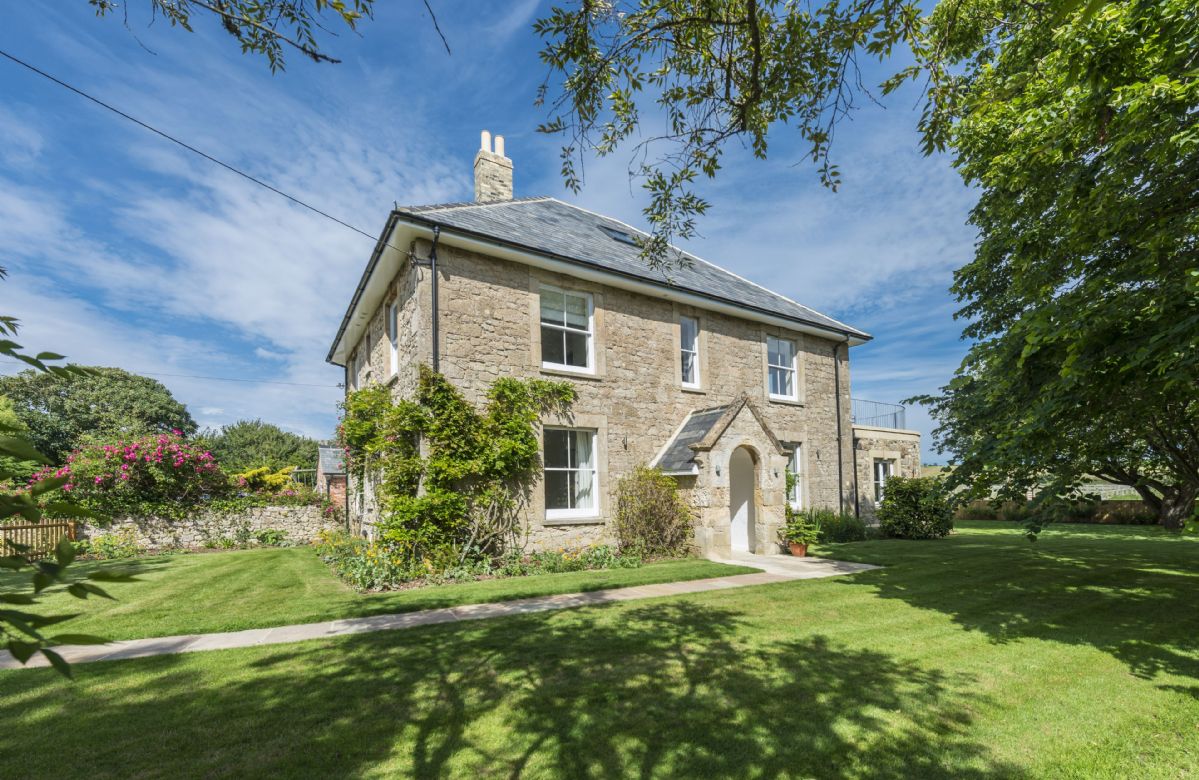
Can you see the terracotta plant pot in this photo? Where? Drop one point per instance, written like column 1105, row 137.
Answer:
column 797, row 549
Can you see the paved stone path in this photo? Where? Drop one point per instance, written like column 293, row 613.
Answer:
column 773, row 569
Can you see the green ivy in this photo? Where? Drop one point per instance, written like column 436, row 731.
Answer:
column 459, row 495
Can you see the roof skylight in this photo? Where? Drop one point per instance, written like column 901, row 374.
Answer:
column 620, row 235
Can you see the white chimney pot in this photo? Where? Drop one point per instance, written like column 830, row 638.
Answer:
column 493, row 171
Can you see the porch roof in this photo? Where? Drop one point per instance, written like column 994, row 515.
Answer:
column 678, row 458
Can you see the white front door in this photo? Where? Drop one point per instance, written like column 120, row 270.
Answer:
column 741, row 500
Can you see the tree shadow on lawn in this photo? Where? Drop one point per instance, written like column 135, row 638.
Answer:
column 1132, row 596
column 18, row 581
column 670, row 689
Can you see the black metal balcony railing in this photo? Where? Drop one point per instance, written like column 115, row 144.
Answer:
column 876, row 413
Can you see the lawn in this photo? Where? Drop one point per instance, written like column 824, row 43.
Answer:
column 229, row 591
column 980, row 655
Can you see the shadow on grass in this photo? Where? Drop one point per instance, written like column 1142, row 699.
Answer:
column 1128, row 592
column 18, row 581
column 671, row 689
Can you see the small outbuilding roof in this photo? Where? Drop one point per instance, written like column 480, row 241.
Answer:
column 331, row 459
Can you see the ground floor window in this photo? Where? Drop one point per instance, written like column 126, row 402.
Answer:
column 882, row 472
column 570, row 476
column 795, row 467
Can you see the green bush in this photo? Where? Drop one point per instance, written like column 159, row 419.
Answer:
column 380, row 566
column 976, row 510
column 119, row 544
column 837, row 526
column 652, row 519
column 264, row 480
column 915, row 508
column 271, row 537
column 1082, row 511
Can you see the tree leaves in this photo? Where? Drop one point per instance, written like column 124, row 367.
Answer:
column 720, row 72
column 1079, row 294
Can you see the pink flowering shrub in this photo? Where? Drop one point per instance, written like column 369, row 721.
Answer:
column 144, row 476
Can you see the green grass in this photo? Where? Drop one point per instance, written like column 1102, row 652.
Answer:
column 980, row 655
column 230, row 591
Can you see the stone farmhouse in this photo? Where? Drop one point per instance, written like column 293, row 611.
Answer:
column 716, row 380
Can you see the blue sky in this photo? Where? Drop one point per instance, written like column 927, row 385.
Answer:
column 125, row 250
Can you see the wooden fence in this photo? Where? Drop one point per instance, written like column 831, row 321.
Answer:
column 40, row 538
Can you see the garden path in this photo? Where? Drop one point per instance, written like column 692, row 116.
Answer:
column 774, row 568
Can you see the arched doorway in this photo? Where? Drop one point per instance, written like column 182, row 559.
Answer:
column 742, row 515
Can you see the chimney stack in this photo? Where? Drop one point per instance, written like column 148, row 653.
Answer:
column 493, row 171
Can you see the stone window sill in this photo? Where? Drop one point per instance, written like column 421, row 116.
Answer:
column 571, row 374
column 573, row 521
column 690, row 389
column 785, row 401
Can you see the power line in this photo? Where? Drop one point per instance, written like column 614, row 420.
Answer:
column 186, row 146
column 214, row 378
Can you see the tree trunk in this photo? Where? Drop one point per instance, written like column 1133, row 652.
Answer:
column 1177, row 506
column 1151, row 499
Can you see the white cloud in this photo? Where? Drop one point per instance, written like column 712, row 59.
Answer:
column 23, row 141
column 214, row 263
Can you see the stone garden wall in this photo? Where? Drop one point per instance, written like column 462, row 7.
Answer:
column 301, row 523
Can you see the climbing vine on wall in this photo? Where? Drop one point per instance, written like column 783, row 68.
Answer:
column 451, row 480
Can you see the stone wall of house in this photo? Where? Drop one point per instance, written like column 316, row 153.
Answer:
column 301, row 523
column 900, row 447
column 489, row 311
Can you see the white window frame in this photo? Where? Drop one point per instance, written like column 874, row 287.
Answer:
column 880, row 484
column 575, row 513
column 792, row 369
column 356, row 370
column 393, row 335
column 795, row 466
column 693, row 350
column 590, row 332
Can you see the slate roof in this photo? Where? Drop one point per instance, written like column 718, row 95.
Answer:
column 678, row 457
column 331, row 459
column 549, row 226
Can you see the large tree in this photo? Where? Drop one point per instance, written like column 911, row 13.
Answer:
column 250, row 444
column 1075, row 121
column 62, row 410
column 16, row 469
column 1082, row 300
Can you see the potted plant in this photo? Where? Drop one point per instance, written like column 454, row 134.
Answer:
column 799, row 532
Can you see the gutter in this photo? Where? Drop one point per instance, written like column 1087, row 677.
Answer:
column 840, row 436
column 417, row 219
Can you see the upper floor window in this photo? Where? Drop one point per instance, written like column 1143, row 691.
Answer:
column 567, row 330
column 393, row 335
column 689, row 350
column 570, row 477
column 780, row 357
column 795, row 468
column 882, row 472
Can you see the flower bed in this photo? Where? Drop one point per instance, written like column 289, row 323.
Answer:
column 369, row 565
